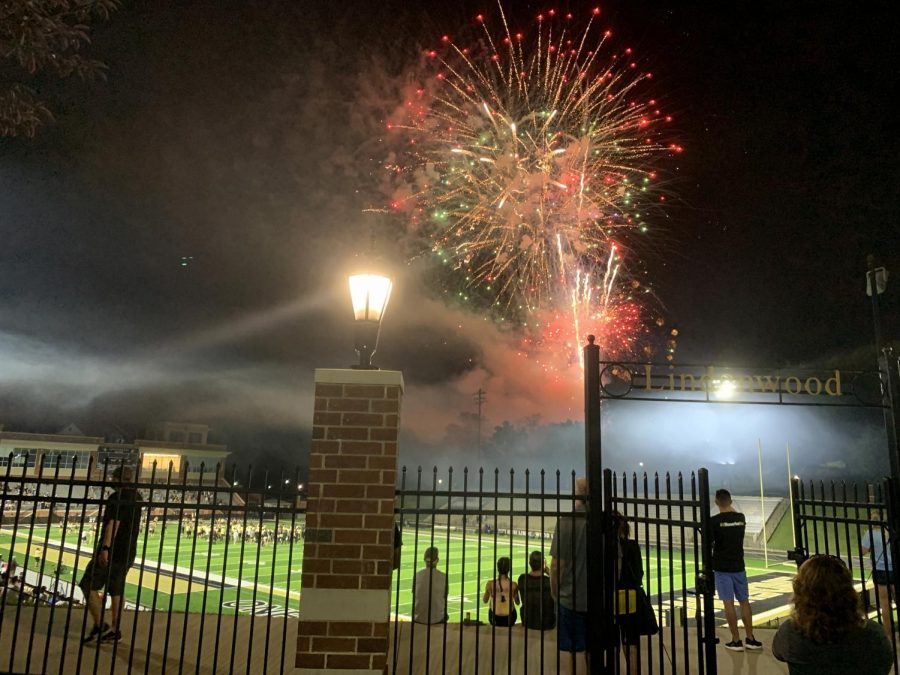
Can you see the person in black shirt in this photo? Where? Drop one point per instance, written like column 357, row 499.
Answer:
column 113, row 558
column 538, row 608
column 728, row 567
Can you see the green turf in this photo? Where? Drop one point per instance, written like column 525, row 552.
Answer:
column 277, row 583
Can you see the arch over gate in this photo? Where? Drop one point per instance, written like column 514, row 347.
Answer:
column 653, row 509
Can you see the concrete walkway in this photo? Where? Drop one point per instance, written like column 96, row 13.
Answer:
column 437, row 651
column 173, row 644
column 159, row 649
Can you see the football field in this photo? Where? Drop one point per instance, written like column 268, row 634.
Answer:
column 187, row 574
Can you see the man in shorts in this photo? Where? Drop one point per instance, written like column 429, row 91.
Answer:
column 105, row 573
column 568, row 575
column 728, row 566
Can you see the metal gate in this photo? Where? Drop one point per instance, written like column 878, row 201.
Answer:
column 669, row 518
column 851, row 522
column 467, row 523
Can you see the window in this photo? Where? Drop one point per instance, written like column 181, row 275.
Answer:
column 162, row 464
column 68, row 460
column 195, row 437
column 21, row 457
column 208, row 463
column 176, row 436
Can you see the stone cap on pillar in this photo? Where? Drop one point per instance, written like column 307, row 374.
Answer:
column 354, row 376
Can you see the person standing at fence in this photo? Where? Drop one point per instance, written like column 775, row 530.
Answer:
column 568, row 574
column 728, row 528
column 828, row 633
column 634, row 613
column 430, row 595
column 538, row 610
column 114, row 556
column 876, row 542
column 502, row 594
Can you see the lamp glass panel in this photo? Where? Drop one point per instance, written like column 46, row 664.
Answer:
column 369, row 294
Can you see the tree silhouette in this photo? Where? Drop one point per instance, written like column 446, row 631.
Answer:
column 43, row 36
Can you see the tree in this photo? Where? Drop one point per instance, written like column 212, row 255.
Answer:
column 43, row 36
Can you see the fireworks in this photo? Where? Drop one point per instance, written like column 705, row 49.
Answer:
column 527, row 167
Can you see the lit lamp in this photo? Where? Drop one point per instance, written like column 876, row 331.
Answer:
column 369, row 294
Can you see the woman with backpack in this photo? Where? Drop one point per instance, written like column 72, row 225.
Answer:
column 502, row 594
column 634, row 613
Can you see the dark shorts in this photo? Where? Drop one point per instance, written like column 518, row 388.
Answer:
column 883, row 577
column 573, row 628
column 507, row 620
column 112, row 577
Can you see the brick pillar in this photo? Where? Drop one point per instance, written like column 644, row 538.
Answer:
column 346, row 582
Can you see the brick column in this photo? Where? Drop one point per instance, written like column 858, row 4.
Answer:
column 346, row 582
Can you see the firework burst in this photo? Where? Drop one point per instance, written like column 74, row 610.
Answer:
column 527, row 167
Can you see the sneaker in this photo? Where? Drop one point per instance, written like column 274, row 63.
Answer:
column 111, row 636
column 735, row 646
column 753, row 643
column 95, row 634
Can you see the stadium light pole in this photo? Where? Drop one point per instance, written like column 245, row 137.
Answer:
column 889, row 373
column 876, row 283
column 369, row 294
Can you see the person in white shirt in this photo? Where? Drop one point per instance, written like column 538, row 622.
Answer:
column 430, row 591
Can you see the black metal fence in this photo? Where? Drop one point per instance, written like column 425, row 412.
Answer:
column 669, row 517
column 212, row 587
column 474, row 521
column 852, row 522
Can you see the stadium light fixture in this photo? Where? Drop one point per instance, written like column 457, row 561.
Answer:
column 724, row 388
column 369, row 294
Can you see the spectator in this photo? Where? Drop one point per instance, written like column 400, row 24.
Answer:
column 501, row 593
column 538, row 610
column 876, row 542
column 828, row 634
column 634, row 614
column 430, row 594
column 728, row 567
column 113, row 558
column 568, row 575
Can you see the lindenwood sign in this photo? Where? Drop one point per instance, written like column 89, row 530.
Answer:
column 726, row 384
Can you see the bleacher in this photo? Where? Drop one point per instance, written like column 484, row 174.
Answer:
column 772, row 508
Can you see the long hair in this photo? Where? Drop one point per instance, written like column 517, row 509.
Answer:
column 503, row 567
column 620, row 525
column 825, row 604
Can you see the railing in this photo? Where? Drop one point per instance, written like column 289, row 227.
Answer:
column 668, row 516
column 852, row 522
column 213, row 587
column 473, row 519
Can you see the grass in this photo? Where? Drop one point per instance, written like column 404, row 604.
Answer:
column 228, row 576
column 837, row 538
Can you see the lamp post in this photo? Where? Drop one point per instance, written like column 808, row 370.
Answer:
column 369, row 294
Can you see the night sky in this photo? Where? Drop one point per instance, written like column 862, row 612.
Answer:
column 174, row 244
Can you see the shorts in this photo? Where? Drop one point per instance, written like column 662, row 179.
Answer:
column 505, row 620
column 573, row 628
column 732, row 586
column 112, row 577
column 883, row 577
